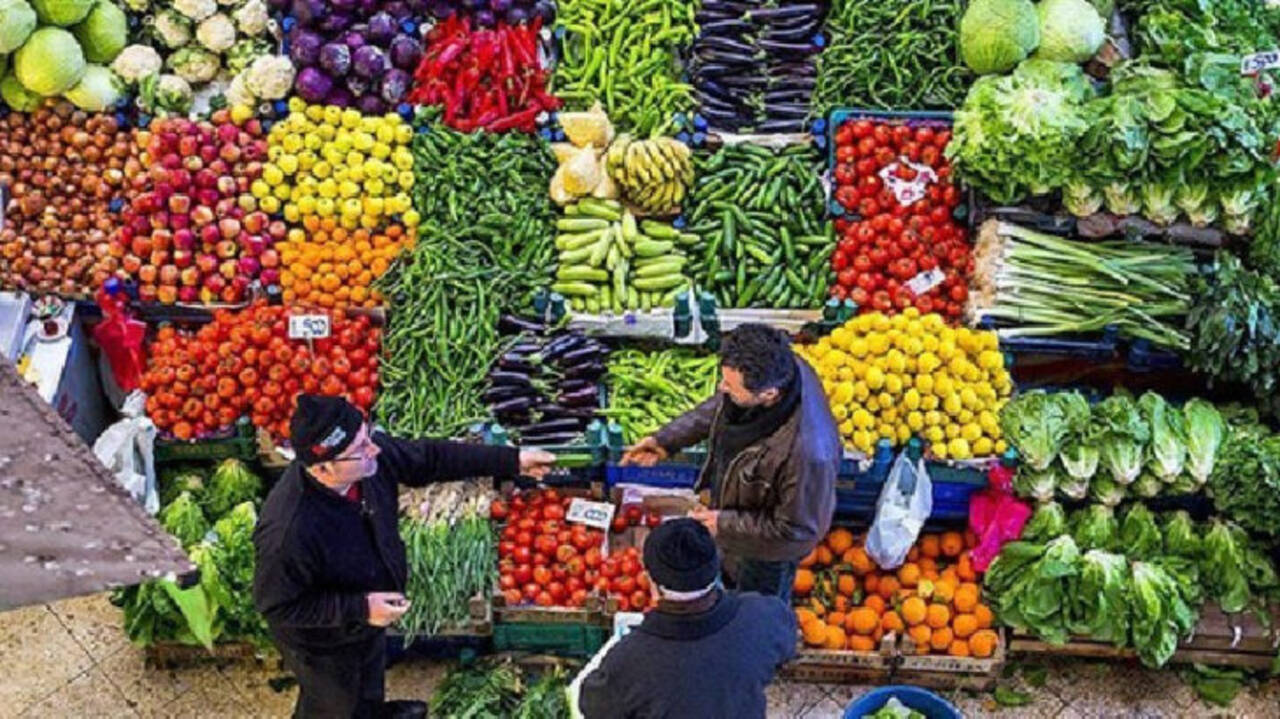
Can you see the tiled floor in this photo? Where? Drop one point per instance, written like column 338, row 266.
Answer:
column 70, row 659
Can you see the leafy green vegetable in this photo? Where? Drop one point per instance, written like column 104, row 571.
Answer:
column 1100, row 607
column 1246, row 478
column 1159, row 616
column 50, row 62
column 1224, row 567
column 1048, row 521
column 1167, row 451
column 1139, row 536
column 1180, row 536
column 1038, row 485
column 1096, row 528
column 996, row 35
column 1213, row 685
column 1070, row 30
column 499, row 689
column 226, row 574
column 1079, row 454
column 894, row 709
column 1147, row 485
column 1123, row 437
column 1107, row 491
column 1034, row 597
column 17, row 20
column 184, row 519
column 1036, row 423
column 1006, row 697
column 231, row 484
column 173, row 484
column 1205, row 432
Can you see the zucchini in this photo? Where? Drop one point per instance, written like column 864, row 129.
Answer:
column 663, row 282
column 581, row 224
column 662, row 268
column 575, row 289
column 653, row 248
column 581, row 273
column 569, row 242
column 659, row 230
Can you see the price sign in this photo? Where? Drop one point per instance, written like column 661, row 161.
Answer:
column 925, row 281
column 592, row 514
column 308, row 327
column 1259, row 61
column 907, row 191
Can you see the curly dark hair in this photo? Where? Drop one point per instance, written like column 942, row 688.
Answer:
column 761, row 353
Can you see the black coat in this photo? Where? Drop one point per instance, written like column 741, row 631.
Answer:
column 319, row 554
column 713, row 664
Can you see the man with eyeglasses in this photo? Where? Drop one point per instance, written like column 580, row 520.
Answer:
column 331, row 569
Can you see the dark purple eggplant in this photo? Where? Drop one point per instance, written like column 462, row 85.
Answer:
column 784, row 110
column 510, row 378
column 769, row 14
column 574, row 385
column 713, row 69
column 501, row 393
column 743, row 82
column 723, row 27
column 562, row 345
column 545, row 440
column 552, row 426
column 512, row 325
column 728, row 6
column 580, row 398
column 525, row 349
column 780, row 47
column 511, row 406
column 724, row 43
column 555, row 411
column 583, row 354
column 512, row 362
column 802, row 34
column 588, row 370
column 781, row 126
column 783, row 96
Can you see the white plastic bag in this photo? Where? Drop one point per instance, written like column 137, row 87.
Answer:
column 905, row 503
column 127, row 447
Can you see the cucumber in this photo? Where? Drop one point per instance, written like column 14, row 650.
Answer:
column 600, row 250
column 577, row 256
column 658, row 260
column 581, row 273
column 629, row 231
column 663, row 282
column 688, row 239
column 653, row 248
column 568, row 242
column 660, row 230
column 603, row 209
column 581, row 224
column 575, row 289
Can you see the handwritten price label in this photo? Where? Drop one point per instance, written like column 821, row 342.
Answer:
column 925, row 281
column 592, row 514
column 1259, row 61
column 308, row 327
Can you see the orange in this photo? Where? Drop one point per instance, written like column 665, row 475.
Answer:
column 841, row 603
column 858, row 559
column 958, row 648
column 836, row 619
column 892, row 622
column 804, row 616
column 920, row 634
column 825, row 556
column 952, row 544
column 846, row 585
column 913, row 554
column 970, row 539
column 859, row 643
column 815, row 633
column 803, row 583
column 835, row 638
column 965, row 625
column 937, row 616
column 871, row 583
column 888, row 586
column 914, row 611
column 864, row 620
column 928, row 564
column 809, row 559
column 964, row 568
column 983, row 643
column 983, row 614
column 874, row 602
column 943, row 590
column 941, row 639
column 817, row 607
column 966, row 599
column 909, row 574
column 840, row 541
column 929, row 546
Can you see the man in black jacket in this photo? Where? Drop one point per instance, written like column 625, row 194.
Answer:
column 331, row 569
column 703, row 652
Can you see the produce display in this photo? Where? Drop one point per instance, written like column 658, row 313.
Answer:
column 61, row 48
column 1134, row 580
column 649, row 389
column 192, row 232
column 901, row 246
column 1244, row 480
column 910, row 375
column 1119, row 448
column 500, row 689
column 844, row 601
column 759, row 216
column 546, row 561
column 653, row 174
column 753, row 70
column 546, row 389
column 353, row 54
column 1144, row 290
column 1232, row 328
column 489, row 14
column 624, row 55
column 487, row 79
column 61, row 168
column 324, row 265
column 244, row 364
column 609, row 261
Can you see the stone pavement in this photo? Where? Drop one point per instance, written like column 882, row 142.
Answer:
column 71, row 659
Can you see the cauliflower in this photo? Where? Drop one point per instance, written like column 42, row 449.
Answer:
column 217, row 33
column 194, row 65
column 252, row 17
column 238, row 91
column 136, row 62
column 172, row 29
column 244, row 52
column 196, row 9
column 270, row 77
column 165, row 93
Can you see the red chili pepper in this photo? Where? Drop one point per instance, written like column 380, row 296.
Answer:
column 522, row 119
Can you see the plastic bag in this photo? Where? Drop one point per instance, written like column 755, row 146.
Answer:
column 996, row 516
column 126, row 448
column 120, row 336
column 905, row 503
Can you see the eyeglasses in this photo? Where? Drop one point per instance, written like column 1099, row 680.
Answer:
column 360, row 451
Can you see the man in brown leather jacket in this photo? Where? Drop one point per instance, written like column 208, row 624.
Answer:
column 773, row 455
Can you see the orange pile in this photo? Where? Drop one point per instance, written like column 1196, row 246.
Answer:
column 326, row 265
column 844, row 601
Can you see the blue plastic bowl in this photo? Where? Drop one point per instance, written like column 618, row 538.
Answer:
column 921, row 700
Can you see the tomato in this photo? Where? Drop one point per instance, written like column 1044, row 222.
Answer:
column 882, row 134
column 506, row 549
column 846, row 196
column 845, row 174
column 959, row 293
column 524, row 539
column 593, row 558
column 512, row 596
column 581, row 540
column 575, row 567
column 527, row 525
column 578, row 597
column 859, row 296
column 866, row 148
column 929, row 155
column 601, row 584
column 862, row 128
column 506, row 581
column 844, row 135
column 864, row 234
column 940, row 216
column 951, row 196
column 639, row 599
column 924, row 135
column 531, row 591
column 544, row 599
column 553, row 511
column 880, row 301
column 545, row 544
column 565, row 552
column 839, row 260
column 653, row 519
column 625, row 584
column 941, row 139
column 619, row 524
column 609, row 569
column 498, row 510
column 846, row 278
column 523, row 572
column 629, row 567
column 846, row 153
column 913, row 151
column 541, row 576
column 549, row 526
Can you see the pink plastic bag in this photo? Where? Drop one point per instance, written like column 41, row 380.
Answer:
column 996, row 516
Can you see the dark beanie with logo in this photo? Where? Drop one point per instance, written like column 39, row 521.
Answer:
column 322, row 427
column 680, row 556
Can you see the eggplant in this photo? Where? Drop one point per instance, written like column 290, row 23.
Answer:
column 786, row 110
column 777, row 47
column 501, row 393
column 552, row 426
column 722, row 27
column 518, row 404
column 563, row 344
column 744, row 82
column 512, row 325
column 588, row 397
column 782, row 96
column 782, row 126
column 728, row 6
column 801, row 34
column 574, row 385
column 517, row 379
column 524, row 349
column 550, row 439
column 726, row 44
column 588, row 370
column 555, row 411
column 770, row 14
column 584, row 354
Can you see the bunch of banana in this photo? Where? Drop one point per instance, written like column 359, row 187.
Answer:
column 654, row 174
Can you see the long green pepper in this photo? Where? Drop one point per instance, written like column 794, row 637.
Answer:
column 646, row 390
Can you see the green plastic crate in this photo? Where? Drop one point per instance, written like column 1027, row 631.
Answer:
column 241, row 445
column 568, row 640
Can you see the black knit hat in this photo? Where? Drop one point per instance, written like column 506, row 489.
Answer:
column 322, row 427
column 680, row 555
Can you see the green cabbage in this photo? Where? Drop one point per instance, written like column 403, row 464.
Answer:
column 1124, row 437
column 18, row 97
column 1205, row 433
column 231, row 484
column 996, row 35
column 100, row 89
column 183, row 519
column 1181, row 538
column 1096, row 527
column 17, row 21
column 1048, row 522
column 1070, row 30
column 61, row 12
column 1140, row 538
column 1035, row 424
column 1167, row 452
column 1100, row 607
column 103, row 33
column 50, row 63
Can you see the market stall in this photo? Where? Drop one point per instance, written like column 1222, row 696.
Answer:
column 1029, row 248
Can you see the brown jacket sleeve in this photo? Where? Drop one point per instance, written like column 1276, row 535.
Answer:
column 791, row 528
column 689, row 428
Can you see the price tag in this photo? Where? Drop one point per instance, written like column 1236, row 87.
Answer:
column 1259, row 61
column 308, row 327
column 592, row 514
column 905, row 191
column 925, row 281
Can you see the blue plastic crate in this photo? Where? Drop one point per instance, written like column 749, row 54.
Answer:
column 1096, row 348
column 678, row 472
column 1144, row 357
column 952, row 488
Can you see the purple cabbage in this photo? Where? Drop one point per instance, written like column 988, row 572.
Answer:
column 313, row 85
column 307, row 12
column 398, row 10
column 485, row 18
column 336, row 22
column 335, row 58
column 382, row 27
column 369, row 61
column 304, row 47
column 369, row 6
column 371, row 105
column 346, row 5
column 405, row 52
column 353, row 40
column 357, row 85
column 500, row 6
column 341, row 97
column 394, row 86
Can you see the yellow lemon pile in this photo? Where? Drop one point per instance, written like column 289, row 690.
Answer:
column 907, row 375
column 326, row 161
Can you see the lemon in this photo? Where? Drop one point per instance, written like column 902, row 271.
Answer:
column 893, row 384
column 889, row 414
column 965, row 416
column 862, row 419
column 861, row 391
column 915, row 421
column 1001, row 446
column 843, row 393
column 934, row 434
column 846, row 374
column 970, row 432
column 875, row 378
column 913, row 347
column 951, row 404
column 886, row 400
column 880, row 323
column 911, row 399
column 877, row 344
column 939, row 449
column 933, row 418
column 958, row 448
column 982, row 447
column 858, row 347
column 924, row 383
column 929, row 401
column 904, row 433
column 970, row 398
column 952, row 431
column 946, row 350
column 928, row 362
column 846, row 427
column 942, row 384
column 840, row 412
column 896, row 362
column 888, row 432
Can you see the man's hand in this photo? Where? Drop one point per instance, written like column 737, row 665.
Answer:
column 386, row 607
column 710, row 518
column 646, row 453
column 536, row 463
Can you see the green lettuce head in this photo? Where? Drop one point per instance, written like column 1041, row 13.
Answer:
column 183, row 519
column 996, row 35
column 1096, row 527
column 1180, row 536
column 1035, row 423
column 1124, row 437
column 231, row 484
column 1205, row 432
column 50, row 63
column 1168, row 449
column 1048, row 522
column 17, row 21
column 103, row 33
column 1140, row 538
column 1070, row 30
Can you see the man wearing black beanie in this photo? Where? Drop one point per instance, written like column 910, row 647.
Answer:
column 331, row 569
column 702, row 652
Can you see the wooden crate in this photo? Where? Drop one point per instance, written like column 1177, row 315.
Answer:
column 1221, row 639
column 829, row 666
column 896, row 662
column 941, row 671
column 172, row 655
